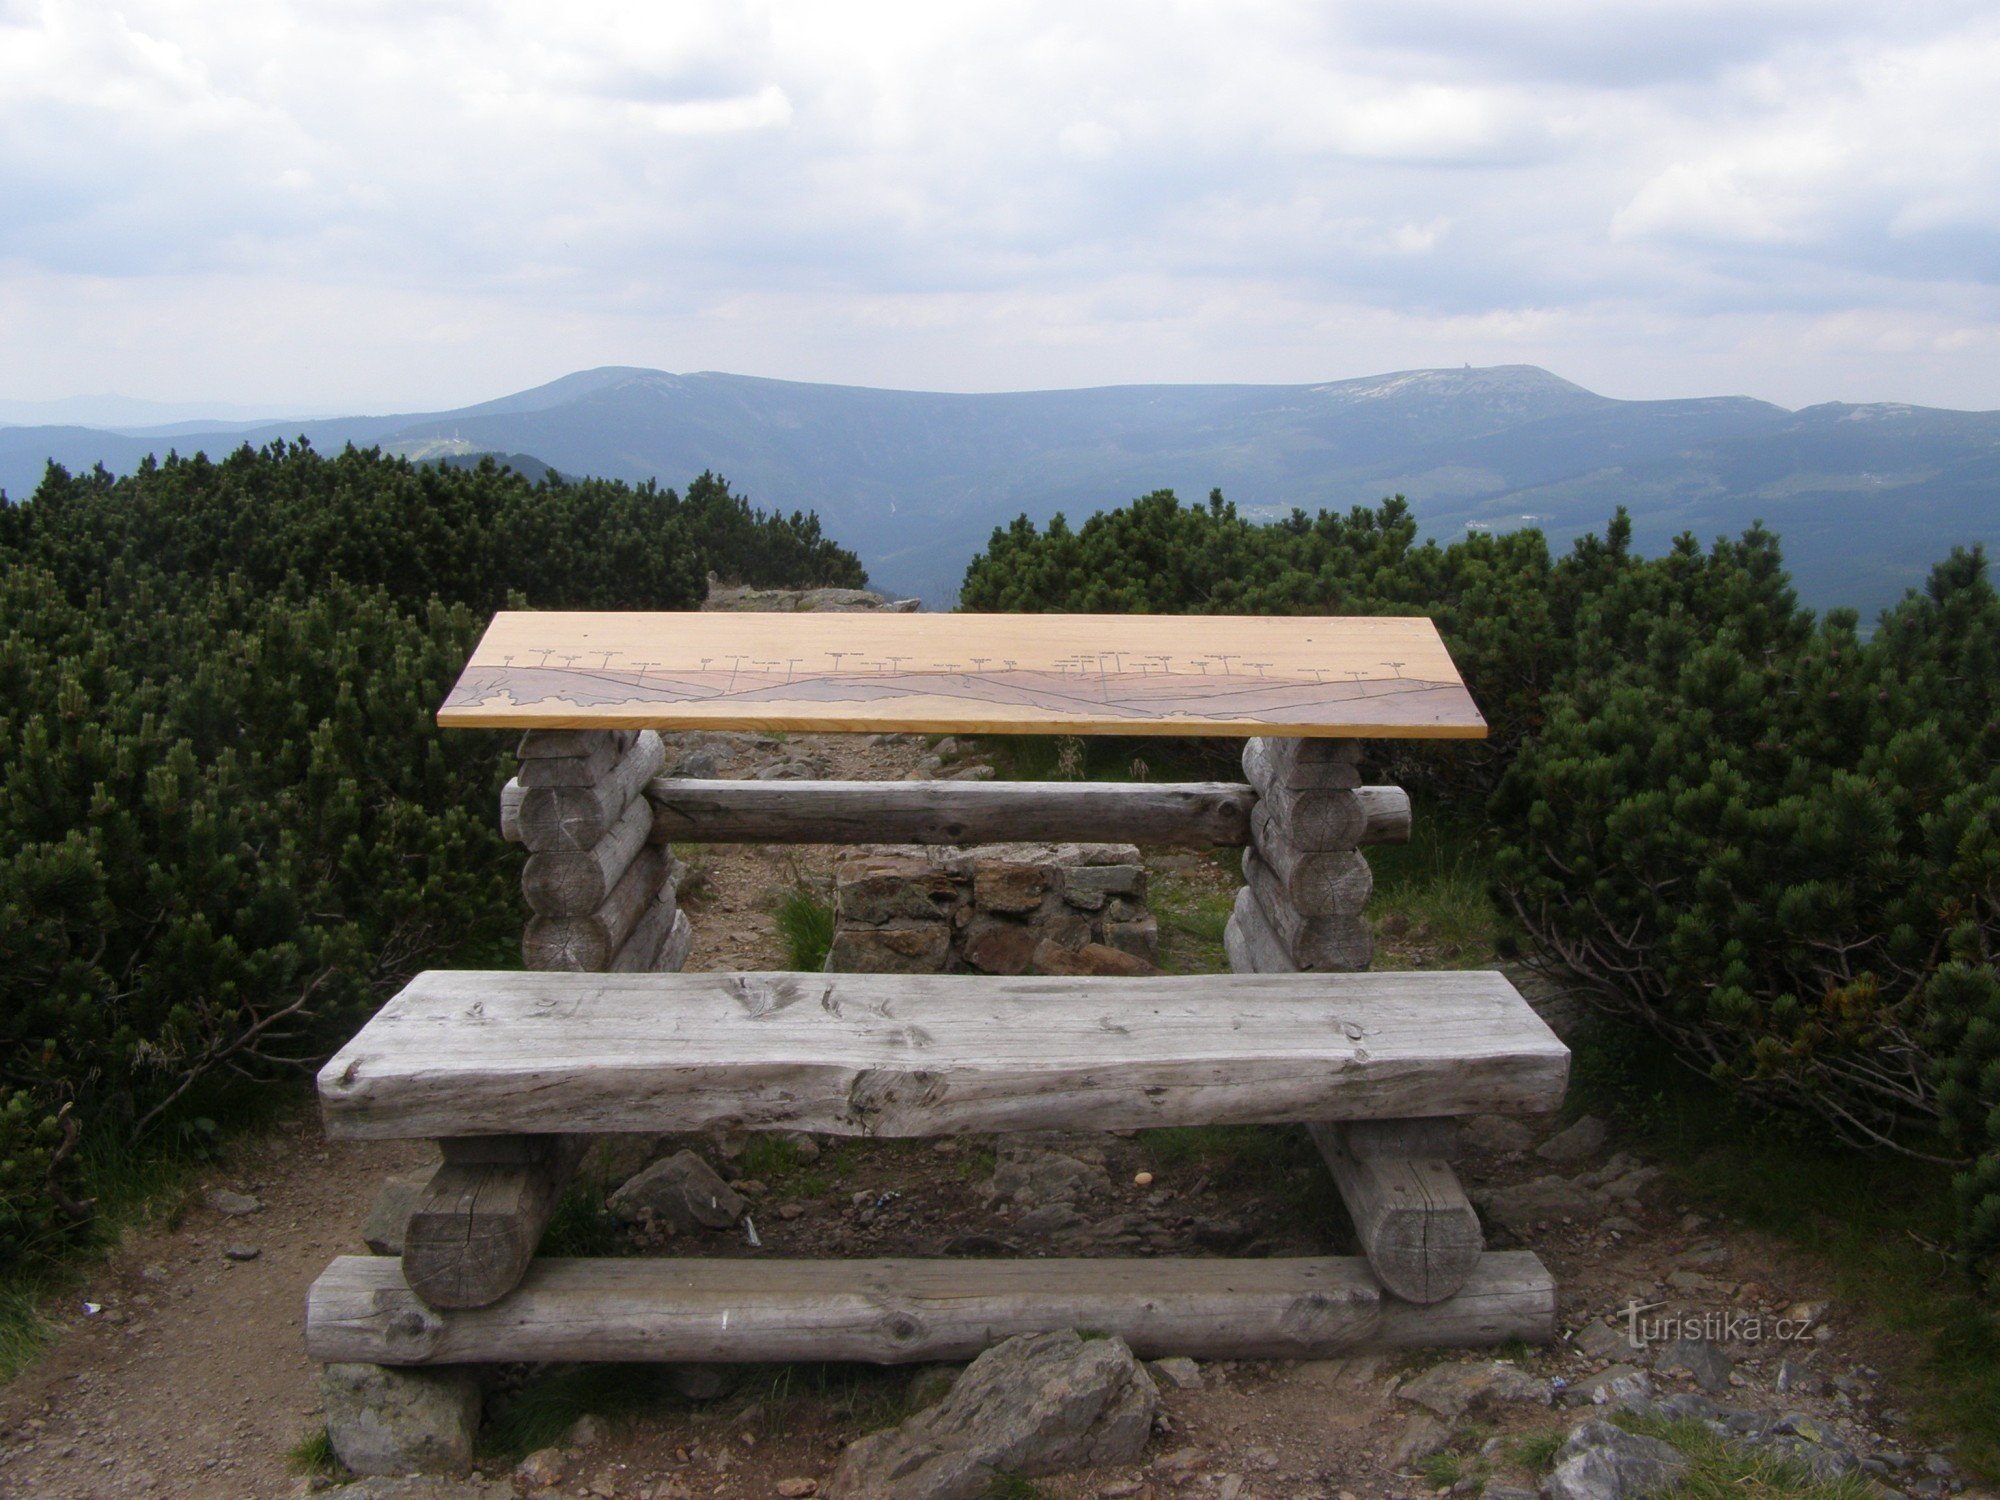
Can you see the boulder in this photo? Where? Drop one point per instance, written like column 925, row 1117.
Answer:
column 913, row 948
column 1602, row 1462
column 996, row 945
column 1091, row 959
column 1545, row 1200
column 1140, row 937
column 385, row 1420
column 1600, row 1340
column 1621, row 1388
column 683, row 1191
column 1036, row 1404
column 1701, row 1359
column 1011, row 887
column 1452, row 1390
column 1582, row 1140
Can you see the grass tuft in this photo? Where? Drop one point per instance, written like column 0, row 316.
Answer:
column 313, row 1455
column 805, row 924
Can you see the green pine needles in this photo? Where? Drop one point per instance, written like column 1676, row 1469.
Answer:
column 229, row 825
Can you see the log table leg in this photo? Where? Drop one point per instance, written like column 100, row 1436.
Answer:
column 1420, row 1235
column 478, row 1222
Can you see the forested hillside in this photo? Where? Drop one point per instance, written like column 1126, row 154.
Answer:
column 228, row 821
column 1774, row 843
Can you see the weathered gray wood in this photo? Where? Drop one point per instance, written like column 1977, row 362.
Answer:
column 673, row 954
column 896, row 1311
column 1249, row 942
column 461, row 1052
column 575, row 883
column 576, row 817
column 1336, row 883
column 510, row 810
column 1414, row 1224
column 1324, row 945
column 1303, row 764
column 599, row 756
column 1202, row 813
column 640, row 952
column 588, row 944
column 1318, row 819
column 1387, row 811
column 569, row 744
column 478, row 1222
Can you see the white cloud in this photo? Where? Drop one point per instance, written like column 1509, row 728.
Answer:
column 374, row 203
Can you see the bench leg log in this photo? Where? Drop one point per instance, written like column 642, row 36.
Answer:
column 479, row 1220
column 1418, row 1231
column 898, row 1311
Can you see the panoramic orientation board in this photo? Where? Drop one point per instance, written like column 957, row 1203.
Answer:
column 1365, row 677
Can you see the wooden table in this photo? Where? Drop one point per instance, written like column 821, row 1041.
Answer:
column 1338, row 676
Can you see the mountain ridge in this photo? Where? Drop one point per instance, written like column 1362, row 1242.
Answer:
column 1866, row 496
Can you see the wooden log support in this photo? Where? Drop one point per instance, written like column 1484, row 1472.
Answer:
column 1313, row 819
column 1248, row 940
column 897, row 1311
column 640, row 953
column 1336, row 883
column 588, row 944
column 1420, row 1235
column 477, row 1223
column 1202, row 814
column 571, row 744
column 1303, row 765
column 462, row 1052
column 575, row 883
column 578, row 817
column 1342, row 944
column 600, row 755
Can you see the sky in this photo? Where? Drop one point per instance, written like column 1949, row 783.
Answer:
column 381, row 205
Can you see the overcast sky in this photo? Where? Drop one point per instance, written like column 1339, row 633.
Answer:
column 373, row 205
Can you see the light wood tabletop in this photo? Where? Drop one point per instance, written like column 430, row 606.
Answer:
column 1378, row 677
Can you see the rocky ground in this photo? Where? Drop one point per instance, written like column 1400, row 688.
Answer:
column 178, row 1369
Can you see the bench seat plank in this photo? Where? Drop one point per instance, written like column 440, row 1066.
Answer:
column 891, row 1311
column 461, row 1053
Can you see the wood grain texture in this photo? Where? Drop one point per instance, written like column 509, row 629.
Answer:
column 1336, row 883
column 1420, row 1235
column 899, row 1311
column 569, row 744
column 588, row 944
column 477, row 1222
column 1202, row 814
column 1341, row 944
column 460, row 1053
column 577, row 817
column 966, row 673
column 1251, row 946
column 1304, row 765
column 640, row 953
column 575, row 883
column 602, row 752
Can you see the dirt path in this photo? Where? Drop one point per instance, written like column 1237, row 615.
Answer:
column 190, row 1378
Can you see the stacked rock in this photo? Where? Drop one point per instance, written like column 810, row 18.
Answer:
column 992, row 909
column 1306, row 882
column 601, row 891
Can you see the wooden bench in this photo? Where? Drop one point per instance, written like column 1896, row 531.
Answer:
column 509, row 1070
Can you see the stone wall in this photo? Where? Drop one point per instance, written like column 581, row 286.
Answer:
column 993, row 909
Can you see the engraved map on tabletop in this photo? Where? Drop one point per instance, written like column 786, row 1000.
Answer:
column 1028, row 673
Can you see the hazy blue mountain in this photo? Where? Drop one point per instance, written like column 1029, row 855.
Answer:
column 1866, row 497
